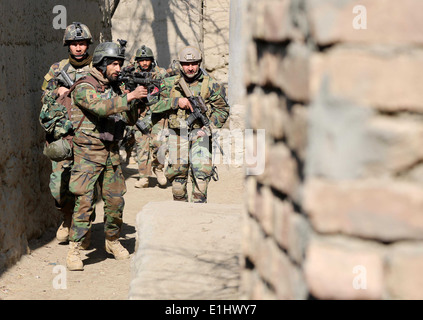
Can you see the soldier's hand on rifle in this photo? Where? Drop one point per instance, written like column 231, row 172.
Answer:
column 184, row 103
column 201, row 132
column 139, row 93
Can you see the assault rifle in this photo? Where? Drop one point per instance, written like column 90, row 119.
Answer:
column 64, row 80
column 128, row 141
column 133, row 79
column 198, row 105
column 199, row 112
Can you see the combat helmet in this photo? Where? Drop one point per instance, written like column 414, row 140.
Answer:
column 144, row 53
column 190, row 54
column 107, row 51
column 75, row 32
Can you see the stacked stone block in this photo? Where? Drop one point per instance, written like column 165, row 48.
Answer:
column 337, row 212
column 276, row 230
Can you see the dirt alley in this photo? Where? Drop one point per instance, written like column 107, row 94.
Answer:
column 37, row 274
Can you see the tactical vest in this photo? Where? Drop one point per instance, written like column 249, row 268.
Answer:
column 74, row 74
column 89, row 124
column 54, row 116
column 178, row 117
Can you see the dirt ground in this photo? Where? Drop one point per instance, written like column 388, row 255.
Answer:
column 42, row 274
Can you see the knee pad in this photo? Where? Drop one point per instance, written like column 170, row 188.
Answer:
column 179, row 186
column 199, row 194
column 201, row 185
column 179, row 189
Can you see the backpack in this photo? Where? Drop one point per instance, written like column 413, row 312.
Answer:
column 55, row 119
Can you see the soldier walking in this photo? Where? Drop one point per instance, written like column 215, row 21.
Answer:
column 77, row 38
column 101, row 111
column 147, row 143
column 190, row 147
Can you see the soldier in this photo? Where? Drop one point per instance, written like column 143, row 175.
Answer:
column 148, row 144
column 77, row 38
column 190, row 146
column 103, row 111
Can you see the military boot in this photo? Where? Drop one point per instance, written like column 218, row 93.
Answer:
column 115, row 248
column 62, row 234
column 161, row 179
column 73, row 259
column 141, row 183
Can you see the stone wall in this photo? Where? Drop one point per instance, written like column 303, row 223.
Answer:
column 337, row 213
column 29, row 44
column 166, row 26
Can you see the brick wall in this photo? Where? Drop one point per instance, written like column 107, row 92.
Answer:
column 337, row 213
column 29, row 45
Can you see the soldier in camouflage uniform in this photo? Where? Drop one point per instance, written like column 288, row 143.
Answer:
column 190, row 148
column 78, row 38
column 102, row 111
column 147, row 144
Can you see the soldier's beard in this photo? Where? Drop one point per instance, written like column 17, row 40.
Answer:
column 112, row 77
column 192, row 76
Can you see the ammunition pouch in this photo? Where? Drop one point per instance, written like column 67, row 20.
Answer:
column 178, row 120
column 145, row 123
column 143, row 126
column 112, row 128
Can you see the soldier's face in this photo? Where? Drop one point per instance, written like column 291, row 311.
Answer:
column 113, row 70
column 145, row 64
column 190, row 68
column 78, row 48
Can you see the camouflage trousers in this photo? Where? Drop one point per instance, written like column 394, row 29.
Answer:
column 143, row 154
column 84, row 177
column 189, row 157
column 59, row 186
column 147, row 148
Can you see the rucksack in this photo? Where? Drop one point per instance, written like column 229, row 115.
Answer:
column 55, row 119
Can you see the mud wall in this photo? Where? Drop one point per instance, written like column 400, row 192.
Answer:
column 30, row 41
column 166, row 26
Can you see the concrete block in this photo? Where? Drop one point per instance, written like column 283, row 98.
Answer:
column 199, row 259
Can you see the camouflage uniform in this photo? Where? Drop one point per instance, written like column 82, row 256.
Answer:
column 189, row 155
column 59, row 178
column 147, row 143
column 97, row 160
column 54, row 119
